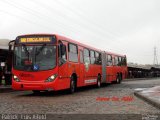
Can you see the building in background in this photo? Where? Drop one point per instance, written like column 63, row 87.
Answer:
column 143, row 71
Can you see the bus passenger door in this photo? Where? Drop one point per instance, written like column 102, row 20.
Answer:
column 109, row 68
column 104, row 64
column 87, row 70
column 64, row 82
column 114, row 69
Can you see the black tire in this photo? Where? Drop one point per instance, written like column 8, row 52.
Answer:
column 118, row 79
column 72, row 85
column 98, row 81
column 36, row 92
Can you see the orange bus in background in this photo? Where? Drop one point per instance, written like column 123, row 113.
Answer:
column 49, row 62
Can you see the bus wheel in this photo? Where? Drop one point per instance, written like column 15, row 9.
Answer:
column 118, row 79
column 36, row 91
column 99, row 81
column 72, row 85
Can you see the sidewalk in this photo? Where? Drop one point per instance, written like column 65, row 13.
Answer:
column 151, row 95
column 5, row 88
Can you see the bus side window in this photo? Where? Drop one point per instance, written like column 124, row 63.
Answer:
column 73, row 52
column 81, row 57
column 86, row 56
column 96, row 56
column 92, row 56
column 116, row 61
column 113, row 60
column 62, row 53
column 98, row 60
column 124, row 62
column 109, row 60
column 120, row 61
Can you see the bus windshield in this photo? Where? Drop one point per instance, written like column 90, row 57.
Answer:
column 34, row 58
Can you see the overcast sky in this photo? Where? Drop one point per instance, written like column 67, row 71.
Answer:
column 130, row 27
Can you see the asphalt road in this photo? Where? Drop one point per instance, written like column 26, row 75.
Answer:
column 109, row 99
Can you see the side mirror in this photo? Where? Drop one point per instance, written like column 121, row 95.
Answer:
column 11, row 45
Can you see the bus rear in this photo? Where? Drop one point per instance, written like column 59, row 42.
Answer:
column 35, row 63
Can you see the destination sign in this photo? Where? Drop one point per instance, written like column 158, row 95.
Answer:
column 35, row 40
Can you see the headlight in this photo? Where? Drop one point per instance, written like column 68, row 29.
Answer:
column 51, row 78
column 16, row 78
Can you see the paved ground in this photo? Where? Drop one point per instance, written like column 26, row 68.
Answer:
column 110, row 99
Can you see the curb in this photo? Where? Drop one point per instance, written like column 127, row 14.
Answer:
column 147, row 99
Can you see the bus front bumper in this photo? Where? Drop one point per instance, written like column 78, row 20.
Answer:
column 43, row 86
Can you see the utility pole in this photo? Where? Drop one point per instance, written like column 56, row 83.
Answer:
column 155, row 61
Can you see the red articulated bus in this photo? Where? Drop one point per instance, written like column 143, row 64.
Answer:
column 49, row 62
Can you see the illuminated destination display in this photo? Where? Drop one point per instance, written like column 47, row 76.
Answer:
column 34, row 40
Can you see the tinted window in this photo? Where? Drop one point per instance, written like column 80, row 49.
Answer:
column 116, row 61
column 109, row 60
column 92, row 55
column 73, row 53
column 86, row 56
column 81, row 57
column 86, row 52
column 98, row 58
column 124, row 62
column 62, row 53
column 96, row 54
column 119, row 61
column 73, row 48
column 35, row 58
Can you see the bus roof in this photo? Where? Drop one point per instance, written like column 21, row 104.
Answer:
column 65, row 39
column 73, row 41
column 115, row 54
column 76, row 42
